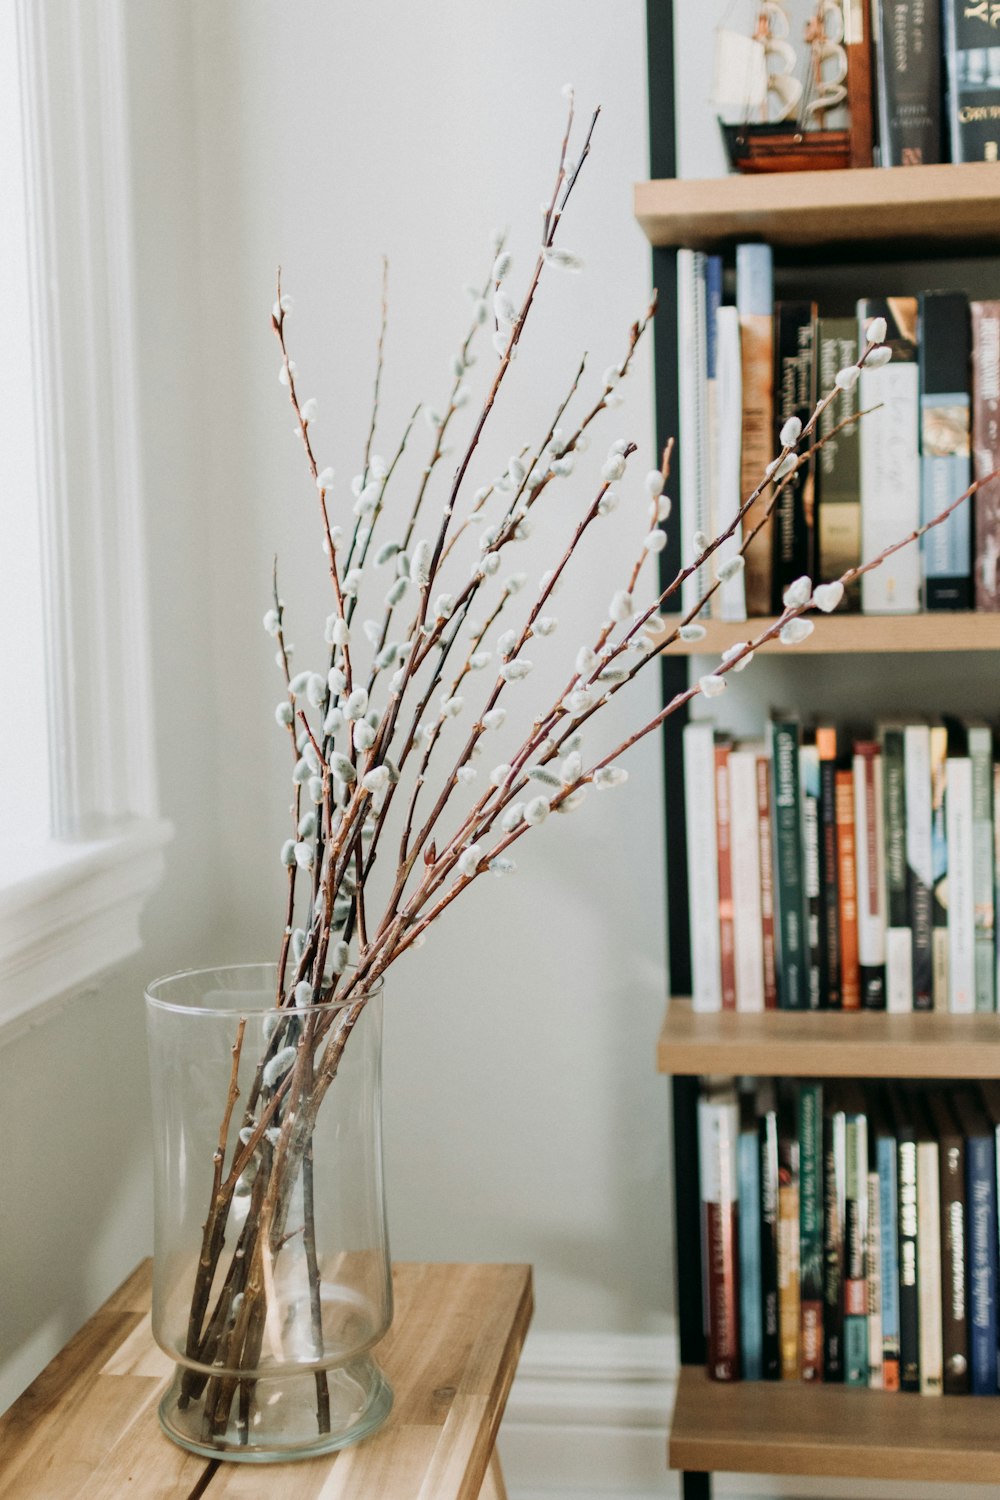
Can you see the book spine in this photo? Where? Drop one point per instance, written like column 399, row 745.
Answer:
column 838, row 471
column 973, row 99
column 939, row 867
column 888, row 1217
column 929, row 1270
column 870, row 856
column 794, row 396
column 713, row 301
column 692, row 337
column 890, row 461
column 767, row 1135
column 909, row 1291
column 755, row 307
column 945, row 442
column 981, row 1198
column 765, row 844
column 829, row 880
column 747, row 920
column 718, row 1131
column 834, row 1204
column 788, row 1278
column 789, row 908
column 986, row 449
column 917, row 751
column 873, row 1272
column 809, row 791
column 850, row 971
column 899, row 936
column 751, row 1330
column 729, row 496
column 858, row 44
column 724, row 854
column 703, row 869
column 908, row 85
column 855, row 1239
column 954, row 1327
column 996, row 867
column 961, row 889
column 981, row 757
column 811, row 1296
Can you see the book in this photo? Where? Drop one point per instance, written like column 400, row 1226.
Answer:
column 945, row 353
column 855, row 1237
column 954, row 1325
column 858, row 44
column 890, row 459
column 899, row 935
column 788, row 1241
column 724, row 856
column 746, row 883
column 713, row 301
column 794, row 396
column 980, row 745
column 811, row 1296
column 809, row 793
column 834, row 1206
column 766, row 881
column 703, row 866
column 973, row 69
column 755, row 309
column 838, row 471
column 904, row 1129
column 908, row 61
column 939, row 867
column 692, row 400
column 886, row 1162
column 981, row 1232
column 792, row 955
column 996, row 865
column 829, row 948
column 986, row 449
column 961, row 884
column 917, row 762
column 727, row 447
column 749, row 1230
column 767, row 1136
column 873, row 1272
column 929, row 1257
column 850, row 971
column 870, row 867
column 718, row 1132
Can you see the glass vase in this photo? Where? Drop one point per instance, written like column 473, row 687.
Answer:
column 272, row 1279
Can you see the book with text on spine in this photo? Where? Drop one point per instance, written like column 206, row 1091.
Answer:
column 855, row 1236
column 755, row 308
column 981, row 1232
column 899, row 934
column 746, row 882
column 810, row 1124
column 890, row 459
column 789, row 1316
column 980, row 744
column 809, row 786
column 954, row 1323
column 986, row 449
column 718, row 1137
column 829, row 949
column 728, row 456
column 929, row 1251
column 703, row 866
column 838, row 463
column 724, row 853
column 767, row 1137
column 749, row 1226
column 961, row 879
column 692, row 401
column 908, row 1234
column 886, row 1162
column 972, row 54
column 919, row 859
column 794, row 539
column 908, row 66
column 834, row 1209
column 940, row 954
column 789, row 901
column 870, row 866
column 847, row 884
column 945, row 460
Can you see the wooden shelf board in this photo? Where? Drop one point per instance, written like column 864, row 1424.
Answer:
column 828, row 1044
column 836, row 634
column 922, row 208
column 779, row 1427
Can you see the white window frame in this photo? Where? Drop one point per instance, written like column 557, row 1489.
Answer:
column 70, row 909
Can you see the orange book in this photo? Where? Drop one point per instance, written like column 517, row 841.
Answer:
column 850, row 972
column 788, row 1274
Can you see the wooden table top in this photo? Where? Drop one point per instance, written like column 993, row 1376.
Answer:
column 87, row 1428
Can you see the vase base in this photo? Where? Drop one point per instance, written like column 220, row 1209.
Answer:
column 282, row 1423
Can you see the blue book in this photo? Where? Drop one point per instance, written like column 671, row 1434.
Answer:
column 981, row 1234
column 751, row 1293
column 885, row 1159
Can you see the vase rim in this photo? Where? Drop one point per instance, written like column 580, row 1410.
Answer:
column 155, row 987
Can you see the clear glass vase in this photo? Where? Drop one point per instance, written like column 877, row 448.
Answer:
column 272, row 1280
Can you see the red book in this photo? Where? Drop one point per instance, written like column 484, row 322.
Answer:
column 723, row 827
column 718, row 1142
column 766, row 880
column 850, row 972
column 986, row 449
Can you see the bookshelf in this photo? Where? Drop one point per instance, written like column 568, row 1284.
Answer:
column 877, row 215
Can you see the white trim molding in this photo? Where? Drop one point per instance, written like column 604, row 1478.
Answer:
column 70, row 907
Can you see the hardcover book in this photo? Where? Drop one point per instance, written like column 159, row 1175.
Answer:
column 724, row 851
column 899, row 935
column 830, row 991
column 850, row 971
column 834, row 1208
column 703, row 869
column 788, row 1241
column 749, row 1225
column 870, row 865
column 905, row 1130
column 973, row 60
column 728, row 420
column 954, row 1325
column 810, row 790
column 981, row 1231
column 755, row 306
column 908, row 63
column 692, row 398
column 718, row 1133
column 811, row 1230
column 939, row 867
column 855, row 1238
column 890, row 459
column 873, row 1271
column 961, row 885
column 929, row 1252
column 886, row 1161
column 838, row 463
column 919, row 858
column 767, row 1133
column 986, row 449
column 945, row 441
column 980, row 745
column 789, row 898
column 747, row 918
column 766, row 881
column 794, row 396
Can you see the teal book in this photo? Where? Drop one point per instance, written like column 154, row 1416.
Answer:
column 811, row 1230
column 789, row 886
column 749, row 1226
column 855, row 1239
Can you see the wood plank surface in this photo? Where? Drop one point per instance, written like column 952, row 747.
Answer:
column 87, row 1428
column 836, row 634
column 828, row 1044
column 787, row 1427
column 925, row 209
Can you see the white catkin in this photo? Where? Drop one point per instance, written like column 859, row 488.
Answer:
column 712, row 685
column 352, row 582
column 375, row 780
column 316, row 690
column 655, row 541
column 357, row 704
column 826, row 596
column 397, row 591
column 491, row 563
column 494, row 717
column 302, row 772
column 501, row 865
column 847, row 378
column 692, row 632
column 315, row 788
column 516, row 472
column 546, row 625
column 608, row 503
column 480, row 659
column 578, row 701
column 303, row 993
column 654, row 483
column 512, row 817
column 444, row 606
column 307, row 825
column 420, row 565
column 284, row 713
column 503, row 308
column 609, row 776
column 613, row 468
column 499, row 774
column 362, row 735
column 468, row 860
column 278, row 1066
column 324, row 479
column 402, row 565
column 545, row 776
column 452, row 707
column 536, row 811
column 501, row 266
column 729, row 569
column 664, row 507
column 572, row 801
column 272, row 622
column 337, row 678
column 298, row 682
column 798, row 593
column 876, row 331
column 794, row 631
column 466, row 774
column 298, row 944
column 699, row 542
column 340, row 956
column 288, row 852
column 586, row 661
column 507, row 642
column 560, row 259
column 372, row 630
column 387, row 656
column 878, row 358
column 386, row 553
column 790, row 432
column 620, row 607
column 515, row 583
column 342, row 767
column 517, row 670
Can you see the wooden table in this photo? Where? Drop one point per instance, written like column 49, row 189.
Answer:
column 87, row 1428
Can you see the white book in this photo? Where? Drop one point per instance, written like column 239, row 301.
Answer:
column 981, row 756
column 919, row 858
column 692, row 401
column 729, row 425
column 873, row 1274
column 744, row 833
column 929, row 1268
column 890, row 486
column 703, row 868
column 869, row 857
column 961, row 888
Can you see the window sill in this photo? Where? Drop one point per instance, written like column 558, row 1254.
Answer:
column 69, row 911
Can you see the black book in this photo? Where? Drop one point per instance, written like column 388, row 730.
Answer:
column 945, row 359
column 767, row 1126
column 834, row 1208
column 794, row 396
column 908, row 63
column 905, row 1129
column 954, row 1322
column 972, row 55
column 831, row 997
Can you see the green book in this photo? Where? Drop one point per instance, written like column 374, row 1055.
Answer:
column 838, row 463
column 789, row 888
column 811, row 1230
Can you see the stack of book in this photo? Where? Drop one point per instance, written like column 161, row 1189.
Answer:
column 830, row 874
column 849, row 1233
column 745, row 369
